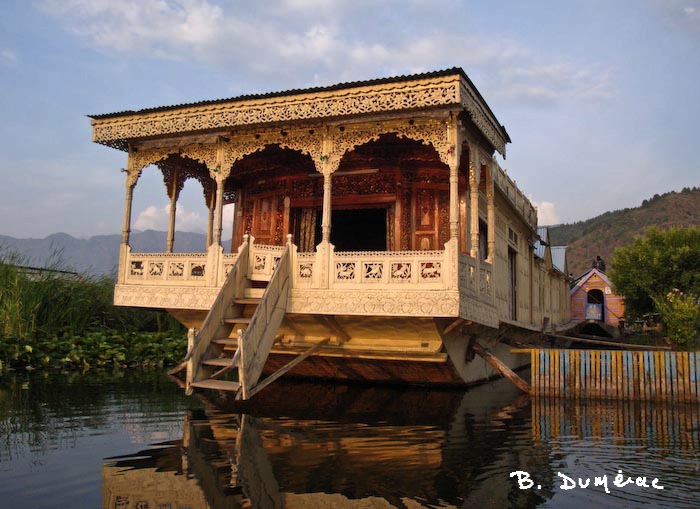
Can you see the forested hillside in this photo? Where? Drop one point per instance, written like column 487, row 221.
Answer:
column 600, row 235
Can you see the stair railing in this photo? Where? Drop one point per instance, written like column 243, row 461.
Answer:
column 212, row 325
column 259, row 336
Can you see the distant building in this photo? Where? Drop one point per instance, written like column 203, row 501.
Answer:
column 593, row 298
column 550, row 276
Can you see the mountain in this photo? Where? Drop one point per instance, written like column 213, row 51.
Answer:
column 96, row 255
column 600, row 235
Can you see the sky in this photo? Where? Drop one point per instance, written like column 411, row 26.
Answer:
column 601, row 98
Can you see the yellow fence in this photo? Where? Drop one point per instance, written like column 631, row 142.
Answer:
column 606, row 374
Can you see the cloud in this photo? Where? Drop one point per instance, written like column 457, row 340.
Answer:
column 8, row 57
column 158, row 218
column 328, row 42
column 546, row 213
column 680, row 14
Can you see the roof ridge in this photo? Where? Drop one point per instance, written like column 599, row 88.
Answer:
column 325, row 88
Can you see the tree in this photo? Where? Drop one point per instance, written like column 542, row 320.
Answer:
column 656, row 264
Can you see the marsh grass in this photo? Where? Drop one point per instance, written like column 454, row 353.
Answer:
column 58, row 317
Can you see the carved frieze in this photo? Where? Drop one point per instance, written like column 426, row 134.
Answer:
column 362, row 100
column 170, row 297
column 375, row 302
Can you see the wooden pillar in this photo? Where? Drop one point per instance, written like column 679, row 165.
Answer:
column 491, row 213
column 474, row 176
column 210, row 219
column 326, row 217
column 220, row 182
column 173, row 192
column 126, row 224
column 454, row 199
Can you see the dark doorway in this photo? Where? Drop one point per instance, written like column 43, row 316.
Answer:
column 513, row 283
column 359, row 229
column 595, row 305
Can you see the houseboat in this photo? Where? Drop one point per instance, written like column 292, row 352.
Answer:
column 375, row 236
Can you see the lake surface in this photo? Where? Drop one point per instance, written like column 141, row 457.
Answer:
column 133, row 440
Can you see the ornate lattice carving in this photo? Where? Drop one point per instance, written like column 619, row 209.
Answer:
column 306, row 270
column 373, row 271
column 203, row 153
column 481, row 118
column 371, row 99
column 306, row 188
column 430, row 271
column 428, row 132
column 345, row 271
column 307, row 139
column 400, row 272
column 378, row 183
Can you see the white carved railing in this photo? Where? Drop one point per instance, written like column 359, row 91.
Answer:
column 177, row 269
column 166, row 268
column 304, row 270
column 475, row 277
column 257, row 340
column 263, row 260
column 521, row 203
column 372, row 269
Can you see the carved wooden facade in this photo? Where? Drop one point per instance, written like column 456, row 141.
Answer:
column 429, row 225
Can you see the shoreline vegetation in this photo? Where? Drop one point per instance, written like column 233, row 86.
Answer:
column 55, row 319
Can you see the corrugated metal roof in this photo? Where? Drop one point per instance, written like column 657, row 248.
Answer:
column 338, row 86
column 541, row 245
column 559, row 258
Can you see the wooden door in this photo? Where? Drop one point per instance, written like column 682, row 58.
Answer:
column 268, row 219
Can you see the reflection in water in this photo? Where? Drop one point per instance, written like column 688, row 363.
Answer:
column 371, row 447
column 638, row 438
column 304, row 445
column 314, row 446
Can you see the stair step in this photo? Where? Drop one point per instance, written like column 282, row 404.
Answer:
column 253, row 293
column 247, row 302
column 220, row 361
column 219, row 385
column 225, row 341
column 239, row 319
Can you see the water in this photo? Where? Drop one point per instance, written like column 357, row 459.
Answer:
column 135, row 441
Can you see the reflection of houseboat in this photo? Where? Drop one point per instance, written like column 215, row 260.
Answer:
column 342, row 446
column 375, row 236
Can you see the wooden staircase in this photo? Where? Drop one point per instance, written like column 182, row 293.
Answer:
column 251, row 311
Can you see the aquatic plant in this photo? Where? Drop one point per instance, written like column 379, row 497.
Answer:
column 57, row 318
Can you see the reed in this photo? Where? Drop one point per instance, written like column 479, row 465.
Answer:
column 54, row 302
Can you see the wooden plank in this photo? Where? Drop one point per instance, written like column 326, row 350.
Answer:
column 277, row 374
column 499, row 366
column 607, row 343
column 647, row 378
column 680, row 373
column 692, row 377
column 221, row 361
column 220, row 385
column 695, row 363
column 689, row 394
column 640, row 375
column 662, row 375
